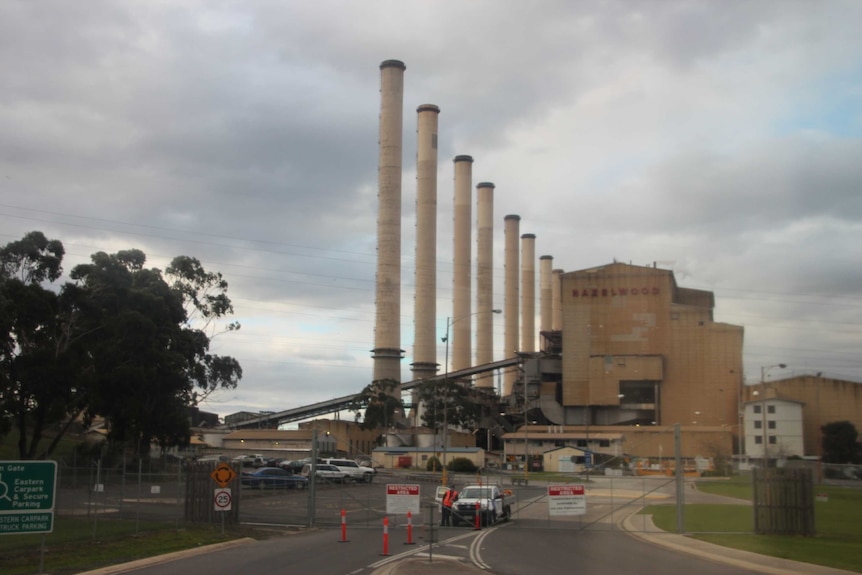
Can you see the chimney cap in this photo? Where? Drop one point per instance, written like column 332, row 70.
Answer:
column 485, row 185
column 512, row 217
column 546, row 257
column 463, row 159
column 428, row 108
column 528, row 236
column 393, row 64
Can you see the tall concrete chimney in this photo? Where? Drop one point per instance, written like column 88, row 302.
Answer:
column 459, row 323
column 545, row 298
column 557, row 300
column 484, row 278
column 425, row 312
column 387, row 350
column 512, row 224
column 528, row 293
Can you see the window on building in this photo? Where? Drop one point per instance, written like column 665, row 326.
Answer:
column 771, row 425
column 638, row 391
column 770, row 409
column 581, row 443
column 758, row 440
column 756, row 409
column 605, row 443
column 758, row 424
column 773, row 440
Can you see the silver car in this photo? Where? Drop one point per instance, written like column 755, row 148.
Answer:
column 326, row 472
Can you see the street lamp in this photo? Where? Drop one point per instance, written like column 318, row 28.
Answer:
column 764, row 370
column 449, row 322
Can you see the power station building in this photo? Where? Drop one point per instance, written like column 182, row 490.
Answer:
column 636, row 355
column 638, row 348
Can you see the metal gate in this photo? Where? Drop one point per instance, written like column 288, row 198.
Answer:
column 605, row 503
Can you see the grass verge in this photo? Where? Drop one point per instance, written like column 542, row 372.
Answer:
column 838, row 542
column 73, row 548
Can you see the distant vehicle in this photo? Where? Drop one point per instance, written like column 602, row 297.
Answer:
column 294, row 466
column 491, row 502
column 213, row 459
column 353, row 471
column 273, row 478
column 250, row 460
column 326, row 472
column 440, row 493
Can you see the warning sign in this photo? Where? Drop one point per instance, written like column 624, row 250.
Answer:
column 567, row 500
column 223, row 475
column 401, row 498
column 222, row 499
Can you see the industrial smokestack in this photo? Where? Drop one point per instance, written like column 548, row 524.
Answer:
column 484, row 278
column 387, row 350
column 512, row 224
column 557, row 300
column 528, row 293
column 460, row 321
column 545, row 298
column 425, row 312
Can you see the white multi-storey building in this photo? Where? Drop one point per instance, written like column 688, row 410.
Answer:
column 775, row 425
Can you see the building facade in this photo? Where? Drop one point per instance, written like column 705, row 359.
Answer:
column 773, row 429
column 637, row 349
column 823, row 400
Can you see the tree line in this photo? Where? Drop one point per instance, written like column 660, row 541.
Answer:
column 116, row 340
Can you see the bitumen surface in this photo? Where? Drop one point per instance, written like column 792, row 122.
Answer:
column 646, row 530
column 639, row 526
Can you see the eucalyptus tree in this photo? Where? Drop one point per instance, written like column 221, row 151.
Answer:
column 379, row 403
column 118, row 342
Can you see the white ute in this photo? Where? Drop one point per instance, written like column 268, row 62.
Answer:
column 495, row 504
column 353, row 471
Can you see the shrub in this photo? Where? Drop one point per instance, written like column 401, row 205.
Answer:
column 462, row 465
column 433, row 464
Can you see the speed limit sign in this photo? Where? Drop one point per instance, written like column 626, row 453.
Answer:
column 222, row 499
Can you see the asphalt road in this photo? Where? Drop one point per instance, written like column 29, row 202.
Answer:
column 508, row 549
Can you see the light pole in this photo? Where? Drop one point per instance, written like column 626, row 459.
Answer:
column 589, row 418
column 449, row 322
column 764, row 370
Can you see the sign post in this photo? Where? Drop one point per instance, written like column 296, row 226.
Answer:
column 27, row 494
column 222, row 498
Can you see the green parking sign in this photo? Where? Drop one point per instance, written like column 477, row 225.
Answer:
column 27, row 493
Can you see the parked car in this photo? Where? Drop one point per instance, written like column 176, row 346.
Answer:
column 325, row 472
column 250, row 460
column 353, row 471
column 273, row 477
column 212, row 459
column 294, row 466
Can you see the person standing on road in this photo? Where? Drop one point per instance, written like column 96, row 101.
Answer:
column 446, row 505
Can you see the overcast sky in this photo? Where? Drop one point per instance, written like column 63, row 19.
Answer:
column 718, row 139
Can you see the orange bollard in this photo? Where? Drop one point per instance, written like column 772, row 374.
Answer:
column 478, row 520
column 343, row 527
column 409, row 529
column 385, row 537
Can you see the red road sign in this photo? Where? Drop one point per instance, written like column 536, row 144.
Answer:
column 402, row 489
column 557, row 490
column 222, row 499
